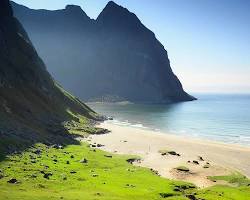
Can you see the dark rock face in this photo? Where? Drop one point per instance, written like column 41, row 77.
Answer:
column 112, row 58
column 5, row 9
column 31, row 103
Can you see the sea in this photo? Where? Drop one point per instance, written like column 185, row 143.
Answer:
column 218, row 117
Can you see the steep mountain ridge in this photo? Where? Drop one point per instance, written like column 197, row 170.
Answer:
column 32, row 106
column 112, row 58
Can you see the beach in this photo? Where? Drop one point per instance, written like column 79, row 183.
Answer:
column 210, row 158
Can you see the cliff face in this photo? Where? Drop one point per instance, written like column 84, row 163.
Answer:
column 32, row 106
column 114, row 56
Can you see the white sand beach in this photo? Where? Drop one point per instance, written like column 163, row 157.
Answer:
column 223, row 159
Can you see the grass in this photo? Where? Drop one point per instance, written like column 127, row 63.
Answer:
column 99, row 177
column 235, row 178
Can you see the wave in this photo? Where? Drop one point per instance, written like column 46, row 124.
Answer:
column 130, row 124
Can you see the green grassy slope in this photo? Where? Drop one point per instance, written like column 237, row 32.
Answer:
column 101, row 177
column 33, row 108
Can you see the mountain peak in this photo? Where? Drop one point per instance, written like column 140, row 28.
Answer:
column 75, row 10
column 116, row 14
column 112, row 4
column 5, row 8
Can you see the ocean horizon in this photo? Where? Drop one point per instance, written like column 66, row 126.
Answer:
column 217, row 117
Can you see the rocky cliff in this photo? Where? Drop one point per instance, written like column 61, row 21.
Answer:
column 32, row 106
column 112, row 58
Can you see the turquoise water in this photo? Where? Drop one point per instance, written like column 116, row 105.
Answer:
column 224, row 118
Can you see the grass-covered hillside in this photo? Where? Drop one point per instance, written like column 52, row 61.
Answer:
column 33, row 107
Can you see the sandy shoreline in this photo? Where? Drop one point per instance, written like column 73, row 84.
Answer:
column 222, row 158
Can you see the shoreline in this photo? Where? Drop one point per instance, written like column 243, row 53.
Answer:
column 223, row 159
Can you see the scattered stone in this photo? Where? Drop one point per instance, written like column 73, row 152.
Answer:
column 196, row 162
column 38, row 152
column 12, row 181
column 182, row 188
column 182, row 169
column 84, row 160
column 95, row 175
column 130, row 170
column 132, row 160
column 101, row 131
column 71, row 156
column 100, row 145
column 206, row 166
column 177, row 190
column 166, row 195
column 108, row 156
column 173, row 153
column 200, row 158
column 93, row 146
column 73, row 172
column 166, row 152
column 55, row 160
column 130, row 185
column 47, row 175
column 191, row 197
column 57, row 146
column 189, row 161
column 33, row 161
column 155, row 172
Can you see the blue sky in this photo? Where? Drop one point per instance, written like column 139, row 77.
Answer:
column 208, row 41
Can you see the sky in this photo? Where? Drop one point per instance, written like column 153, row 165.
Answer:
column 208, row 41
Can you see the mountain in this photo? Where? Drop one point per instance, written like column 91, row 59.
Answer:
column 33, row 107
column 112, row 58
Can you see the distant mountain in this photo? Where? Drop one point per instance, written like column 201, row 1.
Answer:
column 32, row 106
column 112, row 58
